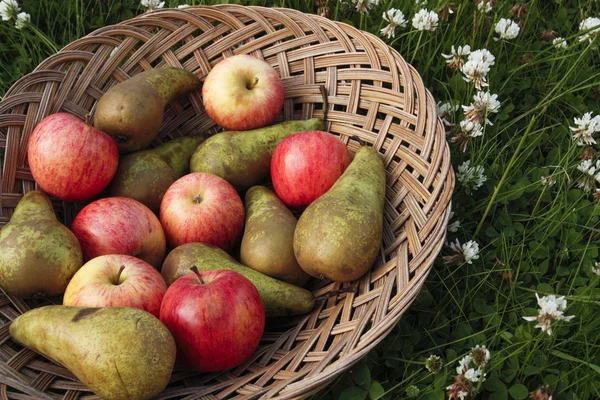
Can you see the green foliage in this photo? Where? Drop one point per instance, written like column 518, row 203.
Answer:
column 533, row 237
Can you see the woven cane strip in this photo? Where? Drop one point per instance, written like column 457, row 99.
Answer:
column 374, row 96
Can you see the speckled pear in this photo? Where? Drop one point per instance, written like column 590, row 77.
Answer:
column 119, row 353
column 243, row 158
column 339, row 235
column 38, row 254
column 267, row 244
column 131, row 112
column 147, row 174
column 280, row 298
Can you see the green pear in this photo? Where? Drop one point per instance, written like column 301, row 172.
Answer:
column 339, row 235
column 119, row 353
column 38, row 254
column 243, row 158
column 147, row 174
column 268, row 241
column 131, row 112
column 280, row 298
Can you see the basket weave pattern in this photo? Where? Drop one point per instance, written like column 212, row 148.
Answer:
column 373, row 95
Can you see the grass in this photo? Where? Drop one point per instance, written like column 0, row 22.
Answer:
column 531, row 236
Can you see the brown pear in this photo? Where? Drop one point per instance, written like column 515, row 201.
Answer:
column 268, row 241
column 38, row 254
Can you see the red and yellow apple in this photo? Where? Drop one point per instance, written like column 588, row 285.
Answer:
column 216, row 318
column 202, row 207
column 116, row 280
column 242, row 93
column 70, row 159
column 120, row 225
column 306, row 164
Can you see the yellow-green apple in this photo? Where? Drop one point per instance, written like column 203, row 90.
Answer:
column 216, row 318
column 306, row 164
column 202, row 207
column 242, row 93
column 120, row 225
column 70, row 159
column 116, row 280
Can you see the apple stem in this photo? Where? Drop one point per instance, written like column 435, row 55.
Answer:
column 119, row 274
column 195, row 269
column 198, row 199
column 254, row 83
column 323, row 91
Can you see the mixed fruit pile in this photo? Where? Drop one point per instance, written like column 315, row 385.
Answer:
column 184, row 250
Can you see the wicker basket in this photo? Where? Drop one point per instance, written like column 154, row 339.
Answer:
column 373, row 95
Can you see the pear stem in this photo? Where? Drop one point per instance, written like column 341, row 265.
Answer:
column 119, row 275
column 251, row 85
column 87, row 119
column 323, row 91
column 195, row 270
column 333, row 293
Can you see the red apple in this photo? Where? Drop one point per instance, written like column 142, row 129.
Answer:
column 202, row 207
column 306, row 164
column 70, row 159
column 120, row 225
column 242, row 93
column 216, row 318
column 117, row 280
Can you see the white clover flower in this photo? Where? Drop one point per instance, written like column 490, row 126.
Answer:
column 484, row 103
column 551, row 309
column 456, row 57
column 548, row 181
column 472, row 178
column 9, row 9
column 467, row 252
column 453, row 226
column 507, row 29
column 363, row 6
column 183, row 6
column 596, row 268
column 425, row 20
column 477, row 66
column 473, row 374
column 395, row 18
column 420, row 3
column 484, row 6
column 480, row 355
column 22, row 20
column 463, row 364
column 585, row 129
column 444, row 111
column 589, row 23
column 559, row 43
column 152, row 4
column 591, row 175
column 470, row 128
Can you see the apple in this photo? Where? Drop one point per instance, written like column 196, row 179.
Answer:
column 117, row 280
column 242, row 93
column 202, row 207
column 306, row 164
column 216, row 318
column 70, row 159
column 120, row 225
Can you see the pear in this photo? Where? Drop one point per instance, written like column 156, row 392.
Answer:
column 268, row 241
column 131, row 112
column 119, row 353
column 243, row 158
column 280, row 298
column 147, row 174
column 339, row 234
column 38, row 254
